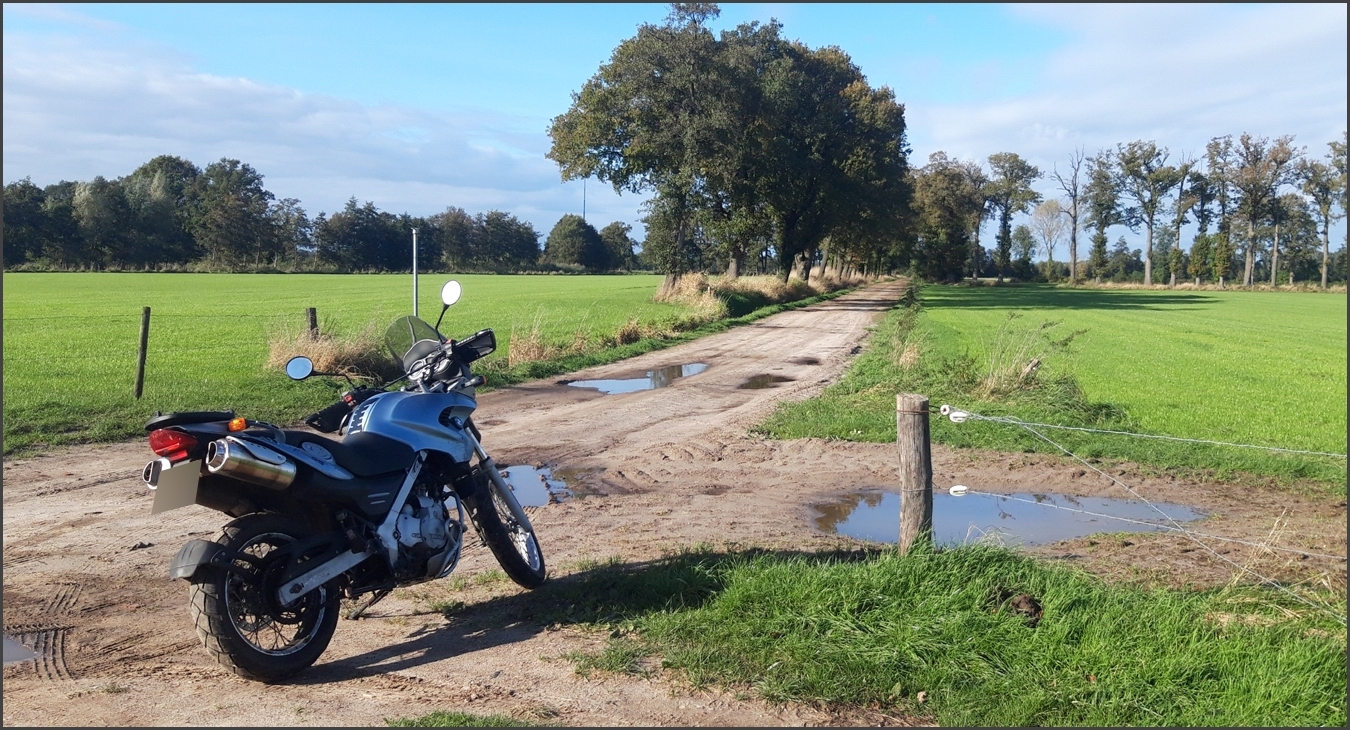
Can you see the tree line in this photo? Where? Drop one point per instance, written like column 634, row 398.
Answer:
column 1263, row 210
column 170, row 213
column 758, row 153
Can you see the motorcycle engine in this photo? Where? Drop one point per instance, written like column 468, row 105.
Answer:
column 428, row 532
column 422, row 525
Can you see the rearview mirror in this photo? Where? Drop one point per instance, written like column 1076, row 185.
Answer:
column 450, row 292
column 299, row 368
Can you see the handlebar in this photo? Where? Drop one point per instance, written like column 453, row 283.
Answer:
column 330, row 418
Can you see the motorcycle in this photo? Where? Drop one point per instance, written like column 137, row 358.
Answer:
column 319, row 519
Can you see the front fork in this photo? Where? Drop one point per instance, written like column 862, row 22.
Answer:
column 495, row 476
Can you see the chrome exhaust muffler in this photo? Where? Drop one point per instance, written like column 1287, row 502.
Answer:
column 250, row 462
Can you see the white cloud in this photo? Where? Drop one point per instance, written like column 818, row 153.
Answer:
column 1176, row 74
column 74, row 109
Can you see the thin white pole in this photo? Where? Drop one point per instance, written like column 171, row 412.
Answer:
column 414, row 272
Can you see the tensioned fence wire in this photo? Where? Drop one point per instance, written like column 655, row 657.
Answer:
column 1018, row 422
column 957, row 415
column 137, row 316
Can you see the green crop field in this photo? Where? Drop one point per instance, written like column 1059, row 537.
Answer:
column 70, row 340
column 1245, row 367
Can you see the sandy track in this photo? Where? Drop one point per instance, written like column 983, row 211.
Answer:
column 84, row 563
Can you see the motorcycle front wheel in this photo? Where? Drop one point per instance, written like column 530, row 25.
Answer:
column 512, row 541
column 248, row 634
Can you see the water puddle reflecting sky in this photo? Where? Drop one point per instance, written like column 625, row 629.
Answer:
column 536, row 487
column 1025, row 519
column 660, row 378
column 16, row 652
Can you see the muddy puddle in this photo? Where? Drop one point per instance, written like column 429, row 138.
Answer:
column 16, row 652
column 1013, row 519
column 538, row 486
column 659, row 378
column 760, row 382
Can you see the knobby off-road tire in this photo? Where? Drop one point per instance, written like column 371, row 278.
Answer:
column 514, row 545
column 233, row 624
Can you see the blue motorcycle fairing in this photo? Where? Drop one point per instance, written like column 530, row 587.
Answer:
column 423, row 421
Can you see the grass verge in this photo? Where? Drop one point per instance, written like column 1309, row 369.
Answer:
column 949, row 635
column 1014, row 354
column 443, row 718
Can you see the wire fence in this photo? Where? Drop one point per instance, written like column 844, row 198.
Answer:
column 220, row 337
column 957, row 415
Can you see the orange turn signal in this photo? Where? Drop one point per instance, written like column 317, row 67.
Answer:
column 238, row 424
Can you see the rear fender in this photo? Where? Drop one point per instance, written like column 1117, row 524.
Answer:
column 197, row 553
column 311, row 551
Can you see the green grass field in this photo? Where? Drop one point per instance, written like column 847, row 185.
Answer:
column 70, row 340
column 1252, row 368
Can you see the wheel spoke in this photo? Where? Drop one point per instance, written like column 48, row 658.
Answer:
column 247, row 606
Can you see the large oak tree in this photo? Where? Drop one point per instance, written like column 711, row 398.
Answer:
column 730, row 131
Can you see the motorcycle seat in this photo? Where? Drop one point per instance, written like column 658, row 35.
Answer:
column 165, row 420
column 363, row 454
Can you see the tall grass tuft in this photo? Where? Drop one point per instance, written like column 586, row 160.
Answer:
column 529, row 345
column 359, row 354
column 1016, row 354
column 695, row 292
column 717, row 297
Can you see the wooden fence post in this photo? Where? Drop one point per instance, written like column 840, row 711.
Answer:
column 312, row 317
column 916, row 470
column 140, row 356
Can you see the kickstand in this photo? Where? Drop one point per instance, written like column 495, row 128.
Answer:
column 375, row 598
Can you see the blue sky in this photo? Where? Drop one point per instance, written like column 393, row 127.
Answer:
column 418, row 107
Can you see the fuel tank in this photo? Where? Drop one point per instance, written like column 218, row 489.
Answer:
column 424, row 421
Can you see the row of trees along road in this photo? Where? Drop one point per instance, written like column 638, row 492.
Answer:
column 168, row 212
column 1261, row 208
column 753, row 144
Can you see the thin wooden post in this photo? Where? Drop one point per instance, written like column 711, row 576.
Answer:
column 140, row 356
column 916, row 469
column 312, row 317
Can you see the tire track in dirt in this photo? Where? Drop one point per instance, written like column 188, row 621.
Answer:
column 49, row 643
column 86, row 483
column 83, row 555
column 64, row 599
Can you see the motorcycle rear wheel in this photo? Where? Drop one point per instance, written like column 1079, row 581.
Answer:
column 511, row 541
column 233, row 620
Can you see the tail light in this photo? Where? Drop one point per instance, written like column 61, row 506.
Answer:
column 171, row 444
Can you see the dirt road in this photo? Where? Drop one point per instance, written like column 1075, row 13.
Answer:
column 84, row 562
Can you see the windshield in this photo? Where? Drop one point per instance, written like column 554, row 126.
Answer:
column 410, row 339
